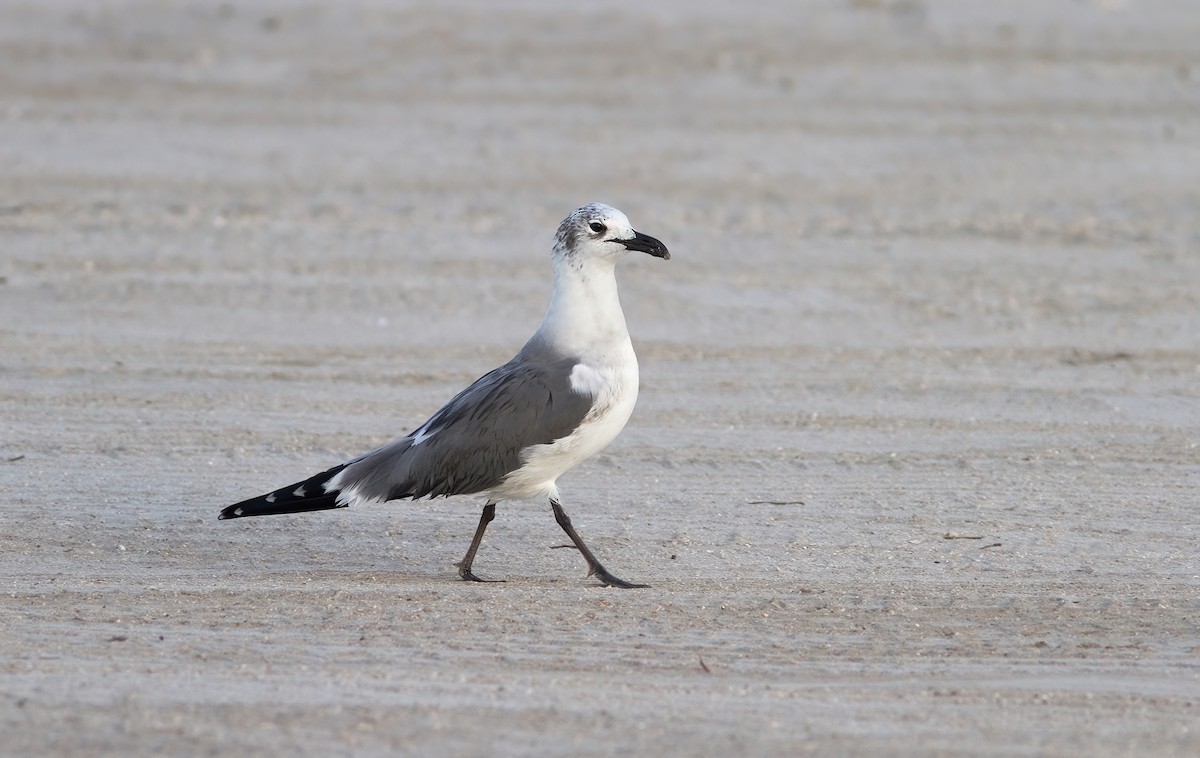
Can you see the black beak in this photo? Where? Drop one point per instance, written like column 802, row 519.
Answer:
column 644, row 243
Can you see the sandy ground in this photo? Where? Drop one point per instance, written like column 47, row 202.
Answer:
column 916, row 463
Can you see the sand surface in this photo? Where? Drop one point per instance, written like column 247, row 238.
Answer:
column 916, row 463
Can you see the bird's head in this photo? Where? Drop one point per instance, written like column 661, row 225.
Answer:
column 601, row 231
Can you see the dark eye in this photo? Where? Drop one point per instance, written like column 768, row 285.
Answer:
column 597, row 227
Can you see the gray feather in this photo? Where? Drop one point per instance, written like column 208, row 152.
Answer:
column 477, row 438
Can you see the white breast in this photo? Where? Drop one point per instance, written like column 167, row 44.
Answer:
column 614, row 389
column 584, row 319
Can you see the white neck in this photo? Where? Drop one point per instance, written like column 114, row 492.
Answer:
column 585, row 314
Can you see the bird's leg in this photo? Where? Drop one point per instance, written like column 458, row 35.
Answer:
column 594, row 566
column 464, row 566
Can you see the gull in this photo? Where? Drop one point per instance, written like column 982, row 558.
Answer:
column 564, row 396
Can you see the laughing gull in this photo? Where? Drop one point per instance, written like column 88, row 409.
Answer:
column 511, row 434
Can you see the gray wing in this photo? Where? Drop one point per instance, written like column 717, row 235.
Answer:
column 476, row 440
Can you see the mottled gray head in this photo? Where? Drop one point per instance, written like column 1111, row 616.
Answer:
column 601, row 231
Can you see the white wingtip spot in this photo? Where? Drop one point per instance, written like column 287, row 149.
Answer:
column 270, row 498
column 237, row 511
column 299, row 492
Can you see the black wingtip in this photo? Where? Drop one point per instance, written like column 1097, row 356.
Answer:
column 260, row 507
column 309, row 495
